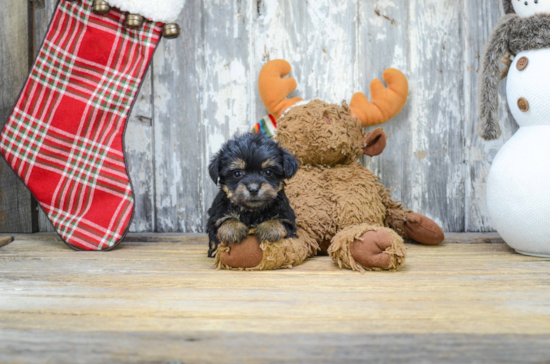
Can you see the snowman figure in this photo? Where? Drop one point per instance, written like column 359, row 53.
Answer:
column 518, row 186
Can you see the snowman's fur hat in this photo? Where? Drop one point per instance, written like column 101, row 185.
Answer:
column 512, row 34
column 508, row 7
column 488, row 127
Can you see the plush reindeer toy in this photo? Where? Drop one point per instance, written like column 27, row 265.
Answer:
column 341, row 207
column 518, row 197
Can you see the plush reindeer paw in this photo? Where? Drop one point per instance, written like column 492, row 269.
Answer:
column 247, row 254
column 423, row 229
column 366, row 247
column 371, row 250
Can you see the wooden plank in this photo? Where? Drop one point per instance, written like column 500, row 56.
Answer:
column 138, row 151
column 494, row 290
column 215, row 347
column 191, row 238
column 5, row 240
column 42, row 19
column 161, row 302
column 317, row 38
column 479, row 154
column 330, row 51
column 383, row 42
column 280, row 31
column 17, row 209
column 434, row 179
column 177, row 137
column 227, row 82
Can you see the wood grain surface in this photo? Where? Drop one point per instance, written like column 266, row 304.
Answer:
column 5, row 240
column 17, row 209
column 164, row 303
column 202, row 89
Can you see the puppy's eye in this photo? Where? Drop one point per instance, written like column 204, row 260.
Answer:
column 238, row 174
column 268, row 172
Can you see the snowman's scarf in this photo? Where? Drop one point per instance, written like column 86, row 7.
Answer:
column 512, row 34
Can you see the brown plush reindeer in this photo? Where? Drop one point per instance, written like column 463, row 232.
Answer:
column 341, row 206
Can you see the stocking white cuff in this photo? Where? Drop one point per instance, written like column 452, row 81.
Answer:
column 166, row 11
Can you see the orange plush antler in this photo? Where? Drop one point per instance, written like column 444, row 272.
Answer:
column 386, row 102
column 274, row 89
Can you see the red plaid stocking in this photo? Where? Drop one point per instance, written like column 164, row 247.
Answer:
column 65, row 136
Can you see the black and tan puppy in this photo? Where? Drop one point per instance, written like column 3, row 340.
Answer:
column 251, row 171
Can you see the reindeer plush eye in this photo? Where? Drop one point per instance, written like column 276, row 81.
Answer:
column 238, row 174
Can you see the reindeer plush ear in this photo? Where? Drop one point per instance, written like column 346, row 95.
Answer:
column 375, row 142
column 386, row 102
column 274, row 89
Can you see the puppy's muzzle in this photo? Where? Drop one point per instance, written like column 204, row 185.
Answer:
column 253, row 189
column 254, row 195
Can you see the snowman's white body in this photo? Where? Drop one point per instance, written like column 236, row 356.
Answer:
column 518, row 186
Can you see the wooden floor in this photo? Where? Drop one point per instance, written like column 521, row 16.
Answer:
column 156, row 299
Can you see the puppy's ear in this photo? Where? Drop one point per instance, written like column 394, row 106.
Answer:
column 214, row 168
column 290, row 164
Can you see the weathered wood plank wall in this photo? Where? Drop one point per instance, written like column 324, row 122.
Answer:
column 17, row 209
column 201, row 89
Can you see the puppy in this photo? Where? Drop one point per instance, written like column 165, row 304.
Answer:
column 251, row 171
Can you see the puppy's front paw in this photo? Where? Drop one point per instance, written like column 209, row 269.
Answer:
column 232, row 232
column 271, row 231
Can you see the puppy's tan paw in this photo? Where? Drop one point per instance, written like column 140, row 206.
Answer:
column 272, row 231
column 232, row 232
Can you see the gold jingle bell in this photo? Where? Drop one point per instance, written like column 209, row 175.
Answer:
column 101, row 7
column 171, row 30
column 133, row 21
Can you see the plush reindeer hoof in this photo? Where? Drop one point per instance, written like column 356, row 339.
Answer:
column 370, row 251
column 246, row 254
column 423, row 229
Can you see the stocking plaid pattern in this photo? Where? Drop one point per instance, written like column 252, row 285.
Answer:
column 64, row 138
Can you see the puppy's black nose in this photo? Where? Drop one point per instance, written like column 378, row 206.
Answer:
column 253, row 188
